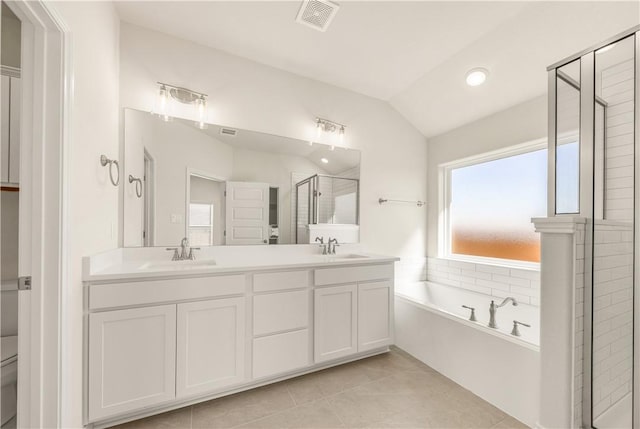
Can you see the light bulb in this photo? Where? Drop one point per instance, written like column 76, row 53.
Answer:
column 163, row 104
column 332, row 148
column 201, row 104
column 318, row 127
column 341, row 134
column 324, row 160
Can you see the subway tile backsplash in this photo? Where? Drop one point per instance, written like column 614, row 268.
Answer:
column 496, row 281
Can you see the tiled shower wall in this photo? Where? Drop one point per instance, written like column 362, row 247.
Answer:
column 612, row 313
column 496, row 281
column 618, row 89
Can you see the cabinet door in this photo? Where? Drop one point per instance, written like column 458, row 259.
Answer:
column 14, row 131
column 211, row 337
column 375, row 315
column 5, row 94
column 276, row 354
column 131, row 359
column 335, row 322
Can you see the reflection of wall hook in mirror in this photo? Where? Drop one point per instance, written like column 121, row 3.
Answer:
column 138, row 185
column 104, row 161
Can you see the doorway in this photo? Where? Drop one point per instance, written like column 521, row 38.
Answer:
column 205, row 209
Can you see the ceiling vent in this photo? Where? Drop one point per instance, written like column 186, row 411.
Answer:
column 317, row 14
column 228, row 132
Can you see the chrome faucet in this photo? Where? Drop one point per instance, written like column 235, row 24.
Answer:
column 332, row 250
column 183, row 255
column 322, row 245
column 493, row 308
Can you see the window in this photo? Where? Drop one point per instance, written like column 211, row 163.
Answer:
column 490, row 201
column 200, row 224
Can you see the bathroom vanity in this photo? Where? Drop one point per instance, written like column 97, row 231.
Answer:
column 161, row 334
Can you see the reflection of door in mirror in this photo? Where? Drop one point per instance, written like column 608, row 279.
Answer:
column 247, row 213
column 148, row 195
column 205, row 211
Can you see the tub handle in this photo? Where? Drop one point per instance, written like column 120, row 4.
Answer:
column 516, row 331
column 473, row 313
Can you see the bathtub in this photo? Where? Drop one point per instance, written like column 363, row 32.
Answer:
column 501, row 368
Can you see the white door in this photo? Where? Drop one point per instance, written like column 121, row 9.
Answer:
column 335, row 322
column 131, row 359
column 210, row 350
column 375, row 315
column 247, row 211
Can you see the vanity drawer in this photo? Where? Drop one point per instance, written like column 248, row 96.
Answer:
column 329, row 276
column 280, row 353
column 281, row 311
column 265, row 282
column 155, row 291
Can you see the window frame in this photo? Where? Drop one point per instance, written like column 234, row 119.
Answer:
column 210, row 226
column 444, row 202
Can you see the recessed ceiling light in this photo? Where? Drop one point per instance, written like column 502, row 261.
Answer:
column 324, row 160
column 476, row 76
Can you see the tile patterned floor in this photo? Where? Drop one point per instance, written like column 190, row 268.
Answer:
column 393, row 390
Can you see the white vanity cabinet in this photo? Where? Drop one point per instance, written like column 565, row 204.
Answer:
column 210, row 345
column 157, row 342
column 131, row 359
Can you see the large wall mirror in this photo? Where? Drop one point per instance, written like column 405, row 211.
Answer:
column 220, row 185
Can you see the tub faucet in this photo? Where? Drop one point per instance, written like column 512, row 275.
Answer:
column 493, row 308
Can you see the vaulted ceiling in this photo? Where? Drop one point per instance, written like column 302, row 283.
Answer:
column 413, row 55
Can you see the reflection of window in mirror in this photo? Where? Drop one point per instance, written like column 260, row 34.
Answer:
column 205, row 221
column 200, row 224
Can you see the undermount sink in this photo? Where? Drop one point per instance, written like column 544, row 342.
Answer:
column 178, row 265
column 346, row 256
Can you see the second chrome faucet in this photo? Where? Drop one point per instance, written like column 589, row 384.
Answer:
column 493, row 308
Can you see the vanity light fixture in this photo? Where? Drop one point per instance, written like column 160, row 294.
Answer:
column 476, row 76
column 327, row 126
column 185, row 96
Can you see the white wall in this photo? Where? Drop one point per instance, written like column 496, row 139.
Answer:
column 93, row 200
column 519, row 124
column 248, row 95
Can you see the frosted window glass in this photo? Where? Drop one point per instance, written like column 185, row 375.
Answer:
column 492, row 204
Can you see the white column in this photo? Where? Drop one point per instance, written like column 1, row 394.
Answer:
column 561, row 294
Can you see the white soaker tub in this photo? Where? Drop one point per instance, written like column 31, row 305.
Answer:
column 502, row 369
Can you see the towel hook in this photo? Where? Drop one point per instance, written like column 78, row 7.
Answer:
column 138, row 185
column 104, row 161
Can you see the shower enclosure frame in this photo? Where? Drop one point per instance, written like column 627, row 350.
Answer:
column 313, row 212
column 586, row 88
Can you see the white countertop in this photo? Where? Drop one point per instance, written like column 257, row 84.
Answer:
column 155, row 262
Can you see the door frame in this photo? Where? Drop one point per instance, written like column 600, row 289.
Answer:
column 47, row 79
